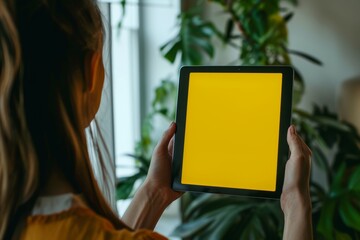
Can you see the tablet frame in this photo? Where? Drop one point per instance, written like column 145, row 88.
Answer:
column 285, row 121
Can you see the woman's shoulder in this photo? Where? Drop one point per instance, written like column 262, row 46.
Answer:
column 75, row 222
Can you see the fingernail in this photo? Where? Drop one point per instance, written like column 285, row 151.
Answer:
column 171, row 124
column 293, row 130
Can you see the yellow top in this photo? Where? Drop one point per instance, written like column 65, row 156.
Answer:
column 77, row 222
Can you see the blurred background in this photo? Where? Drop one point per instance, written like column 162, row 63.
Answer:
column 148, row 40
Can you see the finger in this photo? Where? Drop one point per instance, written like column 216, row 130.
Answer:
column 168, row 134
column 171, row 146
column 293, row 140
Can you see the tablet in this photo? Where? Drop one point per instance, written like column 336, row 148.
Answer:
column 231, row 129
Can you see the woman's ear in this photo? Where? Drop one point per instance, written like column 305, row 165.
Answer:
column 92, row 68
column 94, row 75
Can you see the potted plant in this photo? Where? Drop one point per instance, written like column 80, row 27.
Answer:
column 258, row 31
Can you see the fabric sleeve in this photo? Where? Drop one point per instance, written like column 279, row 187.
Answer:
column 80, row 223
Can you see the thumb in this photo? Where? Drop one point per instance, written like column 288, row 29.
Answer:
column 293, row 141
column 168, row 134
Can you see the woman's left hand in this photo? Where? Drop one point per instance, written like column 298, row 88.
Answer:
column 155, row 194
column 159, row 175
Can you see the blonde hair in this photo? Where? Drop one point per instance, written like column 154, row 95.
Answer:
column 40, row 118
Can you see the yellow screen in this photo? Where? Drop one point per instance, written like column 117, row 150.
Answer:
column 232, row 130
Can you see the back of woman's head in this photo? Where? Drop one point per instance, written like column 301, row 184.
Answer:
column 41, row 119
column 55, row 37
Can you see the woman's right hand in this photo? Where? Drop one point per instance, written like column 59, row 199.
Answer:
column 295, row 197
column 297, row 172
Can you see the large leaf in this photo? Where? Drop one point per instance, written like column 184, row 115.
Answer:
column 221, row 221
column 312, row 132
column 324, row 121
column 288, row 16
column 253, row 229
column 125, row 186
column 228, row 31
column 144, row 163
column 337, row 187
column 326, row 222
column 197, row 203
column 190, row 228
column 171, row 49
column 350, row 214
column 320, row 159
column 354, row 182
column 333, row 123
column 215, row 203
column 318, row 195
column 192, row 40
column 224, row 222
column 306, row 56
column 205, row 45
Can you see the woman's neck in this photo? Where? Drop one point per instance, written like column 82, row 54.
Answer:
column 57, row 184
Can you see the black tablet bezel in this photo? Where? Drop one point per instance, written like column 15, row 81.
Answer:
column 285, row 121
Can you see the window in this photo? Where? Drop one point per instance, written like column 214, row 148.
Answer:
column 134, row 68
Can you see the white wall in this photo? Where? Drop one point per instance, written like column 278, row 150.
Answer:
column 158, row 25
column 329, row 30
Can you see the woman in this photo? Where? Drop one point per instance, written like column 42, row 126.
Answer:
column 48, row 189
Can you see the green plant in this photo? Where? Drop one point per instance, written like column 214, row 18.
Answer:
column 163, row 106
column 336, row 205
column 193, row 38
column 258, row 31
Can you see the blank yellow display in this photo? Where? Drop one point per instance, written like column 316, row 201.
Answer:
column 232, row 130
